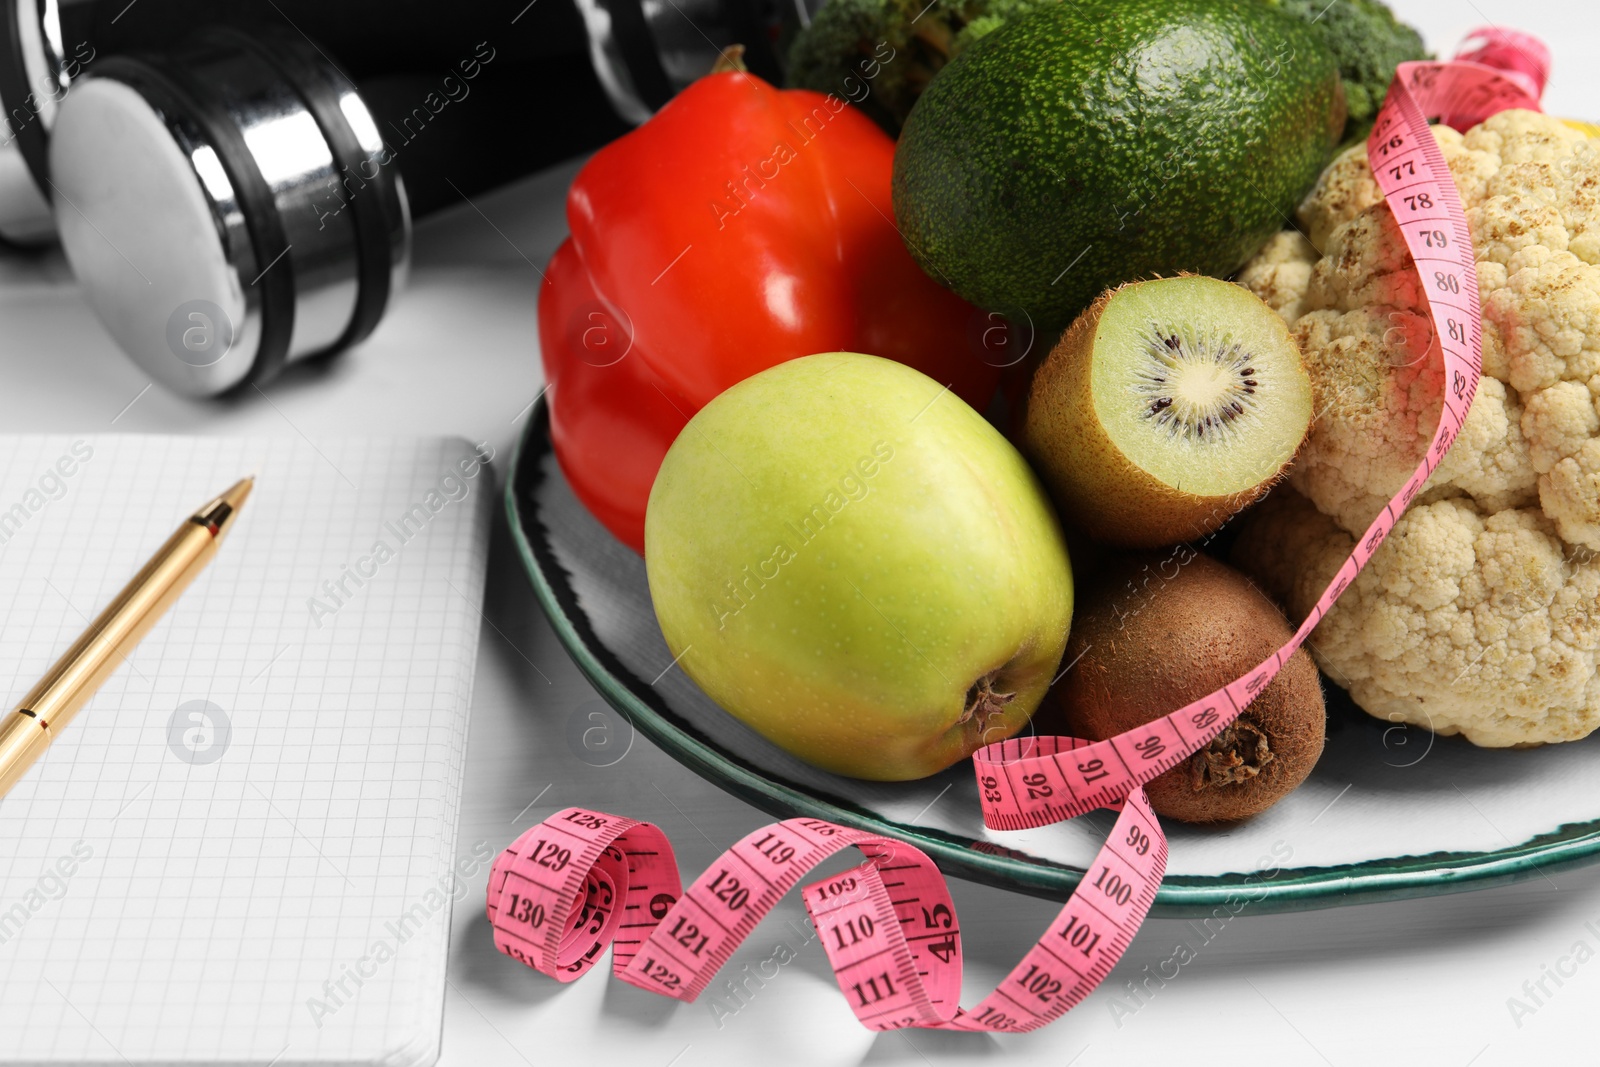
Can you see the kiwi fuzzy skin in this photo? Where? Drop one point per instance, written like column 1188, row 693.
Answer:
column 1146, row 644
column 1095, row 486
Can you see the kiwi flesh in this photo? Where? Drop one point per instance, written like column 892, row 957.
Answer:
column 1157, row 630
column 1166, row 408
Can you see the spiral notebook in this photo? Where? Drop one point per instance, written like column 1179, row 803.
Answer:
column 243, row 850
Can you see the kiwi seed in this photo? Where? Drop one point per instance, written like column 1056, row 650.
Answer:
column 1195, row 384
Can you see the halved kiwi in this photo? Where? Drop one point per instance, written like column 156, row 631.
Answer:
column 1167, row 407
column 1154, row 631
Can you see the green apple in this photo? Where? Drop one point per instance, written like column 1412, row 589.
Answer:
column 848, row 558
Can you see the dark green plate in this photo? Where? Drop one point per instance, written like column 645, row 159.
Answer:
column 1390, row 811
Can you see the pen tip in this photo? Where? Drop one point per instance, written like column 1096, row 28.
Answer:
column 217, row 514
column 240, row 490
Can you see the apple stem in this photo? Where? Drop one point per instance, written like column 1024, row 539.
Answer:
column 983, row 701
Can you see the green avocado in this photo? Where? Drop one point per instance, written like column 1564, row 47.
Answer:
column 1102, row 141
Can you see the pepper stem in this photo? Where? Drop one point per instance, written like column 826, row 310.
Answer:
column 730, row 61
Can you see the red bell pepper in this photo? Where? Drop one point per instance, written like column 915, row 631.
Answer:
column 740, row 227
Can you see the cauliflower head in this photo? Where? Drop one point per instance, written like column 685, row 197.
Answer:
column 1481, row 614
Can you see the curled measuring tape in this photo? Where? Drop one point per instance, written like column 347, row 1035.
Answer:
column 582, row 880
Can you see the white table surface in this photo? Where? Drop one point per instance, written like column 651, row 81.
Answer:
column 1423, row 981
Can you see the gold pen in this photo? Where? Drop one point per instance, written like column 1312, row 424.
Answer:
column 68, row 685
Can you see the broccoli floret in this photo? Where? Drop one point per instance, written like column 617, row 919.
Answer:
column 881, row 54
column 1368, row 42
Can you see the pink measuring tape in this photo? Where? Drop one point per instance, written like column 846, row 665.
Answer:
column 582, row 880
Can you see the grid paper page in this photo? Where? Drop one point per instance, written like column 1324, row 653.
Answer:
column 243, row 849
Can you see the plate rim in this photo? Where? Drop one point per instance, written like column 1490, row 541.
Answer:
column 1179, row 896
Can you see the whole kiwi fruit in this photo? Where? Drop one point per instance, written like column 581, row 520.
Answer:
column 1154, row 631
